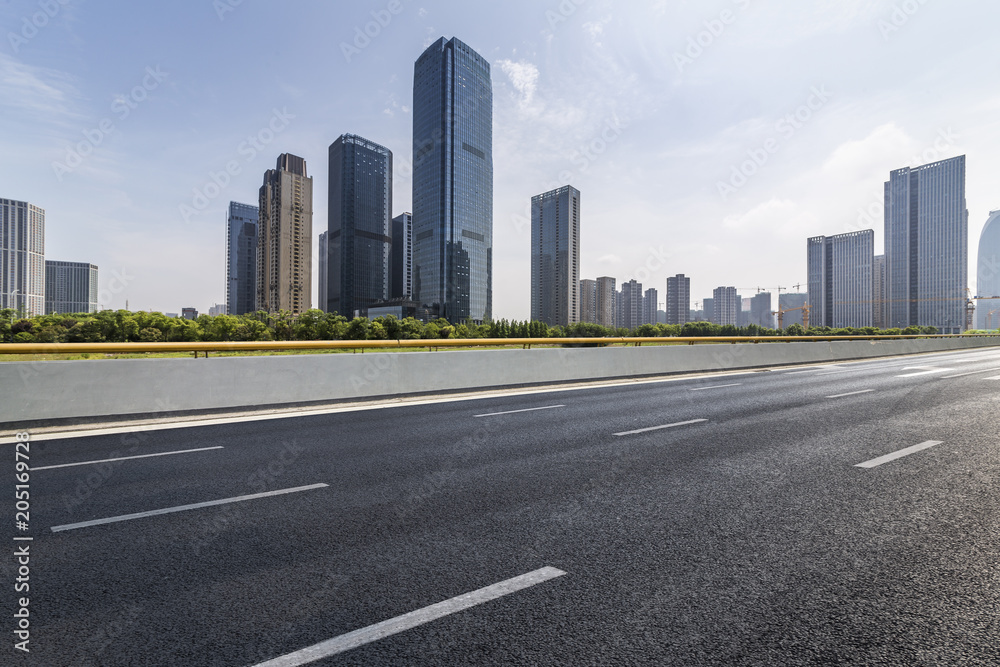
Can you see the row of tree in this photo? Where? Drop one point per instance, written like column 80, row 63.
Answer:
column 119, row 326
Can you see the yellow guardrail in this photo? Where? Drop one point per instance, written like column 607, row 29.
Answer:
column 433, row 343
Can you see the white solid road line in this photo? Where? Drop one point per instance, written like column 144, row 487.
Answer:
column 413, row 619
column 183, row 508
column 898, row 455
column 853, row 393
column 721, row 386
column 962, row 375
column 929, row 371
column 659, row 428
column 125, row 458
column 514, row 412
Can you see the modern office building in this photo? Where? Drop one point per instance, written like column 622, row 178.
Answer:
column 726, row 305
column 241, row 258
column 360, row 225
column 606, row 302
column 879, row 315
column 555, row 256
column 988, row 274
column 70, row 287
column 284, row 238
column 760, row 310
column 189, row 313
column 792, row 302
column 323, row 258
column 840, row 279
column 630, row 305
column 650, row 305
column 453, row 182
column 926, row 246
column 678, row 299
column 588, row 301
column 218, row 309
column 401, row 257
column 22, row 257
column 708, row 308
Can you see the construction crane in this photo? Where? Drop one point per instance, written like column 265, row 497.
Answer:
column 781, row 316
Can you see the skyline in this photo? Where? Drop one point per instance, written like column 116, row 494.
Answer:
column 663, row 131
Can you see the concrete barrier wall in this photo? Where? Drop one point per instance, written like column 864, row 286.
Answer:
column 50, row 390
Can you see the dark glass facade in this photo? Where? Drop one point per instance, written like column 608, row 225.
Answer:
column 453, row 182
column 401, row 257
column 359, row 229
column 241, row 259
column 678, row 299
column 555, row 257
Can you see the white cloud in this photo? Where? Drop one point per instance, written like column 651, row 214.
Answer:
column 524, row 77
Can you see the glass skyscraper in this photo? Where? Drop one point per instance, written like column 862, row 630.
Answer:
column 22, row 257
column 359, row 231
column 70, row 287
column 988, row 274
column 453, row 182
column 840, row 279
column 927, row 246
column 555, row 257
column 678, row 299
column 241, row 259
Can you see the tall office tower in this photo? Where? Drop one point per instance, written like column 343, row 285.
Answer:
column 605, row 303
column 840, row 279
column 788, row 302
column 678, row 299
column 879, row 316
column 453, row 182
column 631, row 305
column 284, row 238
column 926, row 246
column 760, row 310
column 401, row 257
column 241, row 258
column 22, row 257
column 708, row 307
column 988, row 274
column 650, row 304
column 323, row 256
column 588, row 301
column 726, row 305
column 70, row 287
column 360, row 225
column 555, row 257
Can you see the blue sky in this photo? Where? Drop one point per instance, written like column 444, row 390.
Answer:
column 707, row 138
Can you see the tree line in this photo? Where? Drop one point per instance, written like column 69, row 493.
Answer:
column 121, row 326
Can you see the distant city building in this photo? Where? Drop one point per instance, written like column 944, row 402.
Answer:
column 879, row 315
column 789, row 302
column 189, row 313
column 241, row 258
column 988, row 274
column 726, row 305
column 284, row 238
column 840, row 279
column 708, row 308
column 678, row 299
column 555, row 256
column 218, row 309
column 630, row 307
column 453, row 182
column 323, row 257
column 360, row 224
column 926, row 246
column 606, row 302
column 70, row 287
column 22, row 257
column 742, row 310
column 588, row 301
column 760, row 310
column 650, row 304
column 398, row 308
column 401, row 257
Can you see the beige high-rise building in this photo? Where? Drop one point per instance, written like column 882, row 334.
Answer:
column 284, row 238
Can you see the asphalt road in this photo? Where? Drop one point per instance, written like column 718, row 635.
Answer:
column 718, row 520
